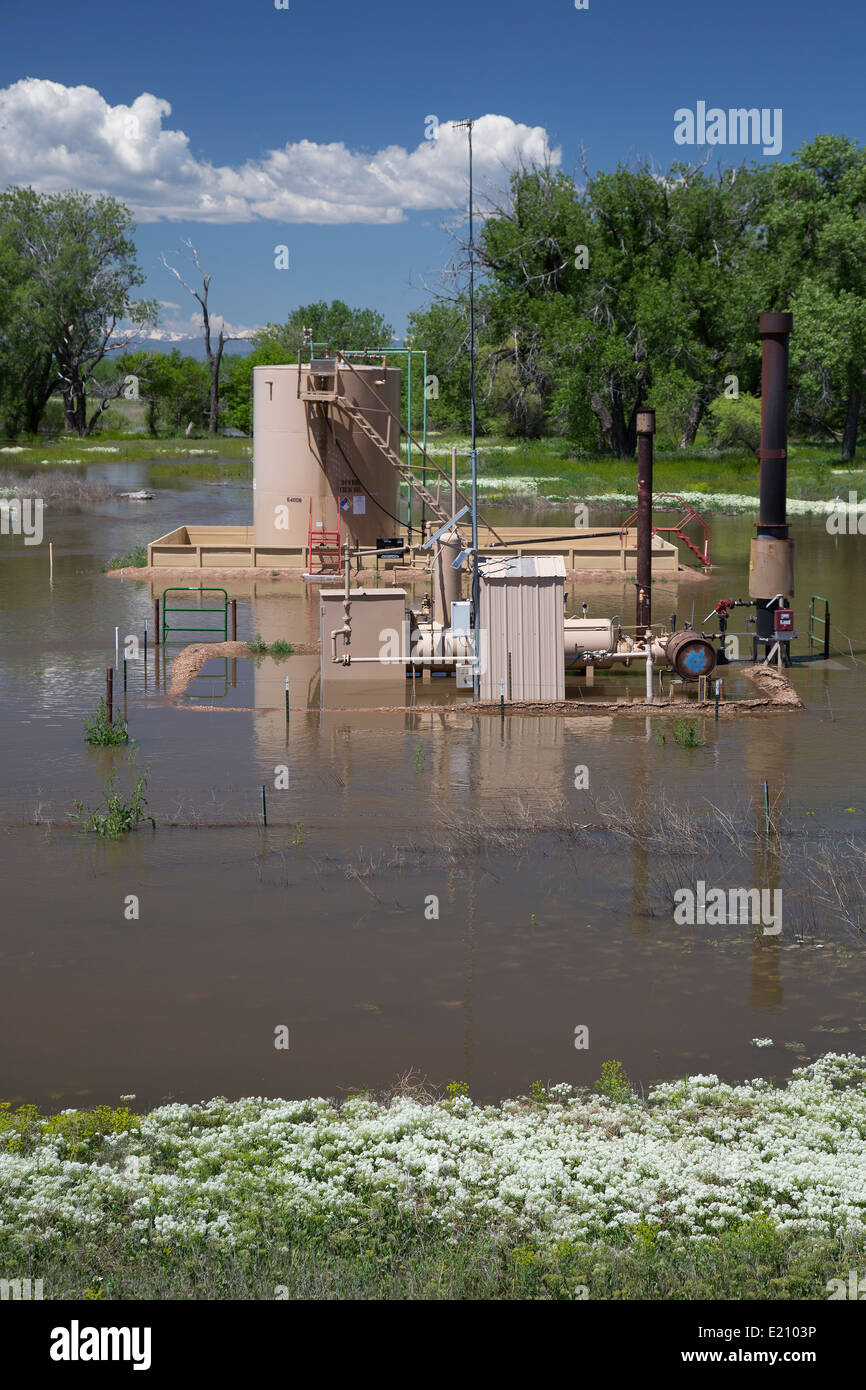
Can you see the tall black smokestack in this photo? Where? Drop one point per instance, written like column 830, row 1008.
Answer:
column 646, row 423
column 771, row 565
column 773, row 453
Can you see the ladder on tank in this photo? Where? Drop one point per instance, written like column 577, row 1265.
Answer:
column 321, row 383
column 328, row 548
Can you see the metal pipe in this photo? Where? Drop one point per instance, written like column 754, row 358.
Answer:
column 339, row 632
column 771, row 561
column 646, row 423
column 476, row 583
column 773, row 453
column 453, row 479
column 649, row 675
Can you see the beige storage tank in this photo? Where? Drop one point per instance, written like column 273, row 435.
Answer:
column 297, row 457
column 588, row 635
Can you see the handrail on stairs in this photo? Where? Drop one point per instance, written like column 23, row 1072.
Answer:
column 690, row 514
column 404, row 430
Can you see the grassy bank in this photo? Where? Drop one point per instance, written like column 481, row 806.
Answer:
column 61, row 490
column 550, row 473
column 546, row 473
column 698, row 1190
column 111, row 449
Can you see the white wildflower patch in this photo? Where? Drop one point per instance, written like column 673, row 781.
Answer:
column 732, row 502
column 493, row 485
column 692, row 1159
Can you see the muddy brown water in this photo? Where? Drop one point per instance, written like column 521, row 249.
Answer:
column 312, row 924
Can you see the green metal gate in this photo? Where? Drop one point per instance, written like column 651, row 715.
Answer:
column 817, row 638
column 222, row 609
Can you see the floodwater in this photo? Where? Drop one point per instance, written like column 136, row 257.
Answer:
column 325, row 922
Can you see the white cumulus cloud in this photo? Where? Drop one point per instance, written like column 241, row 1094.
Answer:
column 56, row 137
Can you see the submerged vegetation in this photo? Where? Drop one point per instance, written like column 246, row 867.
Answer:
column 117, row 814
column 259, row 647
column 686, row 733
column 99, row 732
column 62, row 491
column 135, row 559
column 824, row 874
column 700, row 1189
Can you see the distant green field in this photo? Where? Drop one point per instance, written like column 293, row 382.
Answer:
column 550, row 470
column 119, row 448
column 543, row 472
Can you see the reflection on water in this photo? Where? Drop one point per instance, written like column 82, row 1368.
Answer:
column 324, row 921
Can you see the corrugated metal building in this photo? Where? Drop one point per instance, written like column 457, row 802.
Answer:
column 521, row 616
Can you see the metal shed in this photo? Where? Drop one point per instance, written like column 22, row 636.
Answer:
column 522, row 627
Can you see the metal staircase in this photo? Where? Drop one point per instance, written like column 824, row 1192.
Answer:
column 324, row 546
column 322, row 384
column 688, row 517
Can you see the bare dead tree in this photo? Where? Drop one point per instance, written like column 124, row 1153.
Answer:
column 214, row 356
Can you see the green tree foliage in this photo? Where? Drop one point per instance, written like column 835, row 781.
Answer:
column 736, row 422
column 175, row 389
column 606, row 298
column 71, row 264
column 237, row 387
column 816, row 242
column 443, row 329
column 27, row 373
column 335, row 324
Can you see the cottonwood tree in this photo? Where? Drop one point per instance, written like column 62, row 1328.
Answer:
column 605, row 295
column 816, row 247
column 75, row 302
column 333, row 323
column 174, row 389
column 213, row 355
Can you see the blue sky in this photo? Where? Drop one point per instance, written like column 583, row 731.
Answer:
column 305, row 127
